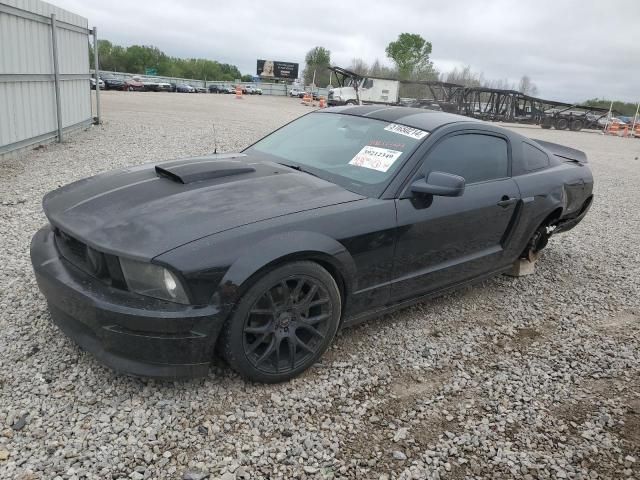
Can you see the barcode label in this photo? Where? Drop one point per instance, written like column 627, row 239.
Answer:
column 406, row 131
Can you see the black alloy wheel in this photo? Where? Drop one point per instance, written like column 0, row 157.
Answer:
column 284, row 323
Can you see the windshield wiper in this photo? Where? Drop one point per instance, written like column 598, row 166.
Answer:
column 298, row 168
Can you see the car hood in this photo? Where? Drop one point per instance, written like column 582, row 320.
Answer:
column 149, row 209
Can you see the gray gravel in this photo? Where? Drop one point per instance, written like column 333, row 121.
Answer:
column 531, row 378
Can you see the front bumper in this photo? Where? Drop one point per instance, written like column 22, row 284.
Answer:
column 128, row 332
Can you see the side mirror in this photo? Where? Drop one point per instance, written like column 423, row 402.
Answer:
column 440, row 183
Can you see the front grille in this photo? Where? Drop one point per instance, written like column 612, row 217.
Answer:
column 80, row 255
column 73, row 250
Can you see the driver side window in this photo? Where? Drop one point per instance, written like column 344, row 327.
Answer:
column 475, row 157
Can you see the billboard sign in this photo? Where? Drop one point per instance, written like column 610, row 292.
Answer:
column 276, row 69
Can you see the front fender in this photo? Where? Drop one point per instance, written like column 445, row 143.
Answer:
column 287, row 246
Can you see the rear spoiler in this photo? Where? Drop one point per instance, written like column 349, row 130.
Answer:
column 564, row 153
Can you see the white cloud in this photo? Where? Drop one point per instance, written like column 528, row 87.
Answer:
column 572, row 49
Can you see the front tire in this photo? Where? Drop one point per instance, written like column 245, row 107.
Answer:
column 283, row 323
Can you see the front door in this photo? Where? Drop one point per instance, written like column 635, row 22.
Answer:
column 446, row 240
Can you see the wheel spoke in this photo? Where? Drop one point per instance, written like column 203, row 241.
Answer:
column 292, row 351
column 297, row 290
column 258, row 330
column 303, row 345
column 306, row 301
column 278, row 342
column 269, row 297
column 311, row 329
column 315, row 319
column 317, row 303
column 257, row 343
column 262, row 311
column 286, row 292
column 268, row 352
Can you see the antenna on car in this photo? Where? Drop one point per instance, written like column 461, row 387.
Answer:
column 215, row 140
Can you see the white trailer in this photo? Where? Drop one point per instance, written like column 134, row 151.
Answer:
column 354, row 89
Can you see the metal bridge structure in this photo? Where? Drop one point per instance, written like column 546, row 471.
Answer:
column 489, row 104
column 494, row 104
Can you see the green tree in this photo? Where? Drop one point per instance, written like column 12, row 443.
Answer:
column 317, row 60
column 624, row 108
column 137, row 58
column 410, row 52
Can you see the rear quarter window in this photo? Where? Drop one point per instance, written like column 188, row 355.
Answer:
column 534, row 158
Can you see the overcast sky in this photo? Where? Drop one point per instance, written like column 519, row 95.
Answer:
column 572, row 50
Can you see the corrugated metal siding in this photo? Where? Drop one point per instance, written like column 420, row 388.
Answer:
column 28, row 104
column 46, row 9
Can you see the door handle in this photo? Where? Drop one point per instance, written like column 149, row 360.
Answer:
column 506, row 201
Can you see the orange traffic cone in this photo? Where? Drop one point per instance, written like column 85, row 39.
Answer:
column 322, row 104
column 636, row 132
column 239, row 92
column 625, row 131
column 613, row 128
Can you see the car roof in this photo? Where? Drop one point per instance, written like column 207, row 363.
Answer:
column 420, row 118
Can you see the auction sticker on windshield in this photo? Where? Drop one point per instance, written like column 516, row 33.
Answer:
column 375, row 158
column 406, row 131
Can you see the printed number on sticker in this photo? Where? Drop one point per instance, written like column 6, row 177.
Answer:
column 375, row 158
column 406, row 131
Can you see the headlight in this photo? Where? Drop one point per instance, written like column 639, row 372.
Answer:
column 152, row 280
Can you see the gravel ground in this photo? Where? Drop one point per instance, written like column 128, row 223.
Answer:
column 534, row 377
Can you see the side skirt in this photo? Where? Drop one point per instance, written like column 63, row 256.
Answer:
column 364, row 316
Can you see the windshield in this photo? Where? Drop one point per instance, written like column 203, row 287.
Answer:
column 360, row 154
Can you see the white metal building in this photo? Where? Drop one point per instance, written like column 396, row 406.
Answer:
column 38, row 104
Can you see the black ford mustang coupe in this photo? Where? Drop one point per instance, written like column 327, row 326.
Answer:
column 262, row 255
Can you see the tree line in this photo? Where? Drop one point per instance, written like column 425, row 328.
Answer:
column 625, row 108
column 138, row 58
column 410, row 55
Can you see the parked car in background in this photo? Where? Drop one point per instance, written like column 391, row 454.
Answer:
column 230, row 89
column 295, row 92
column 251, row 90
column 133, row 85
column 155, row 86
column 217, row 89
column 163, row 87
column 200, row 89
column 184, row 88
column 112, row 83
column 92, row 82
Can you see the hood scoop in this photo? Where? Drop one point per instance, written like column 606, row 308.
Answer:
column 199, row 171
